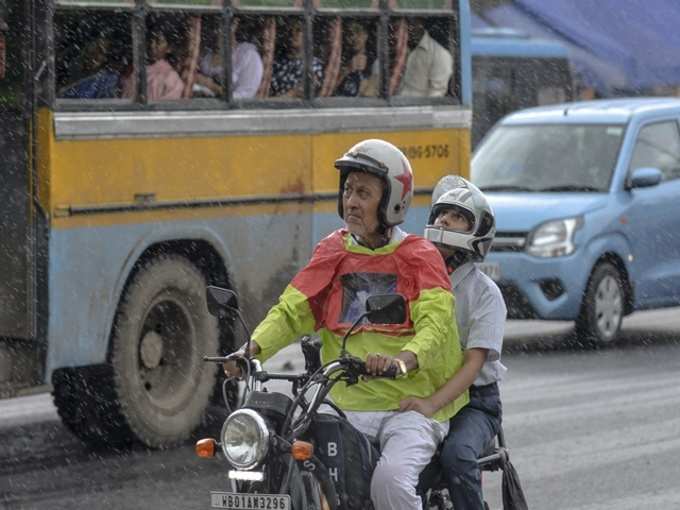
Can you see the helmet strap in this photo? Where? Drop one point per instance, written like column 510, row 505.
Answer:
column 457, row 259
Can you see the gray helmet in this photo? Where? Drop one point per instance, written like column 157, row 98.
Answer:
column 452, row 191
column 386, row 161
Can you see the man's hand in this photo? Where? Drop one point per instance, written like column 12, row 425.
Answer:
column 377, row 364
column 232, row 368
column 358, row 62
column 422, row 405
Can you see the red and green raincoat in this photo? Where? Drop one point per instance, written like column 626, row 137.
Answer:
column 329, row 293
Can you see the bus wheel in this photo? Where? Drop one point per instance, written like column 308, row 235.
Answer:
column 162, row 331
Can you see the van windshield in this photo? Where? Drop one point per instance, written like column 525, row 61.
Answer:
column 543, row 158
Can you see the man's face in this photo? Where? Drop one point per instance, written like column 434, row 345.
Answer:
column 416, row 30
column 360, row 200
column 453, row 219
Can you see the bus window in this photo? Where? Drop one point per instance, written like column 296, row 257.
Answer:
column 288, row 68
column 168, row 56
column 421, row 62
column 206, row 61
column 350, row 56
column 247, row 63
column 93, row 54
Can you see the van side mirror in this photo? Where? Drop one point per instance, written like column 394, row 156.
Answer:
column 386, row 309
column 220, row 301
column 645, row 177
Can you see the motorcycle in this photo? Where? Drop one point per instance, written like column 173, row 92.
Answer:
column 284, row 454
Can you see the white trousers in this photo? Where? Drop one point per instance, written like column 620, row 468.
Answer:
column 407, row 443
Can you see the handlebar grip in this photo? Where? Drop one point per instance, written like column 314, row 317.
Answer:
column 216, row 359
column 234, row 356
column 390, row 373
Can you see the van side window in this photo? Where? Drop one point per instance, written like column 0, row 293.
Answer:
column 658, row 146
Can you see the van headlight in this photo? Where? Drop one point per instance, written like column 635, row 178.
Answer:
column 245, row 439
column 554, row 238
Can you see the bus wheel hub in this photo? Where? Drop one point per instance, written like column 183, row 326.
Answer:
column 151, row 349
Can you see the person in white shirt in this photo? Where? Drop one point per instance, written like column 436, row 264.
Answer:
column 462, row 227
column 246, row 66
column 429, row 65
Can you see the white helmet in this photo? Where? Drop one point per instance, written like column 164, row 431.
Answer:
column 452, row 191
column 386, row 161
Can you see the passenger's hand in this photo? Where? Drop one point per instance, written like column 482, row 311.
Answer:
column 420, row 405
column 377, row 364
column 358, row 62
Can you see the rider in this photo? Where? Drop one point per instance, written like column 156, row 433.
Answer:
column 462, row 226
column 372, row 255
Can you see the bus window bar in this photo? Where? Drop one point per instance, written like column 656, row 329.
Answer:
column 147, row 202
column 184, row 8
column 269, row 11
column 64, row 5
column 420, row 13
column 347, row 13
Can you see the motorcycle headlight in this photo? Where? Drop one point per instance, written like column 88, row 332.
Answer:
column 245, row 439
column 554, row 238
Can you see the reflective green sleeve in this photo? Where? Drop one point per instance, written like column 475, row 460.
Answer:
column 289, row 319
column 433, row 316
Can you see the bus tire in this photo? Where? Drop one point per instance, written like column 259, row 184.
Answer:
column 161, row 333
column 87, row 405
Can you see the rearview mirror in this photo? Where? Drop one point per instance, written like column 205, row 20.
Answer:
column 220, row 300
column 386, row 309
column 645, row 177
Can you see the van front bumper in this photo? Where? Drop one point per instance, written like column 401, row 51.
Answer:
column 541, row 288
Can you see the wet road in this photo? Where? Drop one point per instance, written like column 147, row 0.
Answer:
column 588, row 430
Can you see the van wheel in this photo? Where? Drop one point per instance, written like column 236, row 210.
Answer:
column 599, row 322
column 162, row 331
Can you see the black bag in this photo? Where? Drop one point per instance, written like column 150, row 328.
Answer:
column 349, row 457
column 513, row 495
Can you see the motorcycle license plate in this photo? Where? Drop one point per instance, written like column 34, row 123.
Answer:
column 241, row 501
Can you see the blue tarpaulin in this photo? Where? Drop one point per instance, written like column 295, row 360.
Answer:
column 614, row 44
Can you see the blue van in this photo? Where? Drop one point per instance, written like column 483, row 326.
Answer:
column 587, row 204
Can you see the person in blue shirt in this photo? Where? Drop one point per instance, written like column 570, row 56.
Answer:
column 105, row 83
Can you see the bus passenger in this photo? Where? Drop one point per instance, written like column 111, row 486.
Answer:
column 105, row 63
column 372, row 255
column 356, row 68
column 246, row 64
column 429, row 65
column 163, row 82
column 289, row 67
column 462, row 227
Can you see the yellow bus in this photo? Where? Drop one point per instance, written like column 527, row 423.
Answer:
column 137, row 169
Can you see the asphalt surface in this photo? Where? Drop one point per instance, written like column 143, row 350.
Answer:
column 587, row 430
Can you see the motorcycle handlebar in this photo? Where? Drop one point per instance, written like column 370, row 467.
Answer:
column 223, row 359
column 358, row 367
